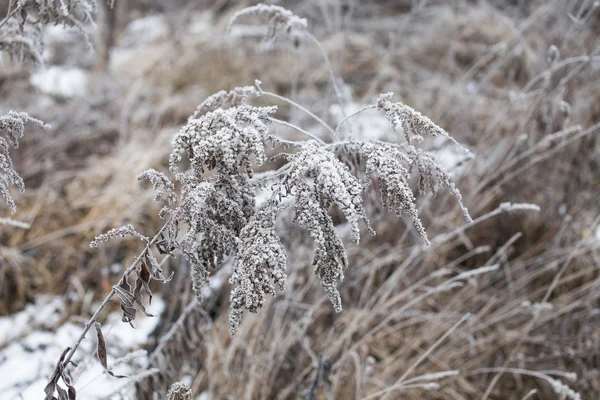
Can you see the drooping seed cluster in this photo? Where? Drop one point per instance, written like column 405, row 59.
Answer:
column 120, row 232
column 318, row 180
column 225, row 140
column 260, row 265
column 215, row 211
column 385, row 163
column 223, row 99
column 414, row 125
column 406, row 118
column 330, row 258
column 12, row 126
column 72, row 13
column 333, row 184
column 162, row 185
column 23, row 43
column 432, row 176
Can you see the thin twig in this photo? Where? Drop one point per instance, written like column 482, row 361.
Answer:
column 293, row 103
column 297, row 128
column 336, row 88
column 337, row 128
column 9, row 16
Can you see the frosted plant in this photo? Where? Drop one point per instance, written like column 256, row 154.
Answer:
column 260, row 261
column 391, row 165
column 22, row 43
column 223, row 139
column 333, row 184
column 213, row 216
column 179, row 391
column 120, row 232
column 12, row 126
column 386, row 163
column 330, row 259
column 21, row 36
column 215, row 211
column 163, row 186
column 72, row 13
column 277, row 19
column 223, row 99
column 412, row 122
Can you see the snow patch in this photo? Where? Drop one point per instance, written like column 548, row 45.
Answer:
column 31, row 344
column 145, row 30
column 61, row 81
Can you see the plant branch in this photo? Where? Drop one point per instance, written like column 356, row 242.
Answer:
column 337, row 128
column 9, row 16
column 336, row 88
column 261, row 92
column 297, row 128
column 110, row 295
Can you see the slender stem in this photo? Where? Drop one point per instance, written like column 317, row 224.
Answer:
column 104, row 303
column 13, row 12
column 192, row 306
column 337, row 128
column 400, row 383
column 10, row 4
column 336, row 88
column 297, row 128
column 293, row 103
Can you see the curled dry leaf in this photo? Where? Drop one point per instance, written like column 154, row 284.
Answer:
column 142, row 287
column 123, row 290
column 52, row 386
column 101, row 351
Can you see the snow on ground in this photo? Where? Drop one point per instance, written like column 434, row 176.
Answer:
column 32, row 341
column 61, row 81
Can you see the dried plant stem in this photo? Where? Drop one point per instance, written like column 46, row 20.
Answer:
column 352, row 115
column 14, row 222
column 297, row 128
column 293, row 103
column 9, row 16
column 336, row 88
column 400, row 383
column 528, row 328
column 192, row 306
column 110, row 295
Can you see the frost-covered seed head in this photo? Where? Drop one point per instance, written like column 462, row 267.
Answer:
column 278, row 19
column 225, row 140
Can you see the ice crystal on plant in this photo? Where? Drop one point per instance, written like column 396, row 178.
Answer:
column 433, row 177
column 179, row 391
column 385, row 164
column 333, row 184
column 13, row 128
column 330, row 259
column 71, row 13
